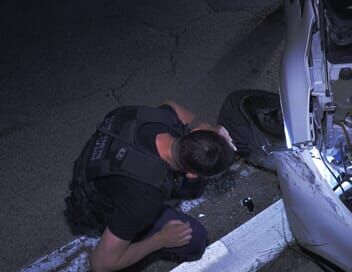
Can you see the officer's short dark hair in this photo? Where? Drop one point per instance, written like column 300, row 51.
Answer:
column 204, row 153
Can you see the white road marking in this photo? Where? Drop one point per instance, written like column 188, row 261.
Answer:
column 70, row 257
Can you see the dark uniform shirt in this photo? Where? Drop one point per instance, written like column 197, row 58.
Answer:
column 136, row 205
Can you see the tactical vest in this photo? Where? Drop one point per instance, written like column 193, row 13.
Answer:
column 115, row 149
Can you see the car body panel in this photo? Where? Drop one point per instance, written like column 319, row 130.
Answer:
column 319, row 221
column 294, row 77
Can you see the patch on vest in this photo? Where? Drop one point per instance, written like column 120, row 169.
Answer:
column 107, row 123
column 102, row 141
column 121, row 153
column 99, row 147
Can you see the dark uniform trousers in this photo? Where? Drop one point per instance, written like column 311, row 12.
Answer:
column 189, row 252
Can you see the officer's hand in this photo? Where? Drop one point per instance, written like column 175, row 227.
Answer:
column 175, row 234
column 224, row 133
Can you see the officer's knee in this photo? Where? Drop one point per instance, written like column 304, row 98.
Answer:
column 195, row 248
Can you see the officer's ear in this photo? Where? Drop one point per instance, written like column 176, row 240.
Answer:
column 190, row 175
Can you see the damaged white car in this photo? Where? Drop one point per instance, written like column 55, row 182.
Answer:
column 316, row 99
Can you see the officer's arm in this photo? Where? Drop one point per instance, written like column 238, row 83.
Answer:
column 187, row 117
column 113, row 253
column 183, row 114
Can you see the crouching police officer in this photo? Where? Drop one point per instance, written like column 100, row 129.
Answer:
column 138, row 158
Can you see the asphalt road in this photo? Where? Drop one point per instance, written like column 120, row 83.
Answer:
column 64, row 64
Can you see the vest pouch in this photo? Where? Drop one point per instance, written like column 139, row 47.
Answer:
column 87, row 211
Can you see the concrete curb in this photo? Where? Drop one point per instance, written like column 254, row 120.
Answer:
column 248, row 247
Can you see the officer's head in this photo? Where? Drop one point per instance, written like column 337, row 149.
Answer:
column 202, row 153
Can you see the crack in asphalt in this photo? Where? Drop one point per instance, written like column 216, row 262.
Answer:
column 113, row 93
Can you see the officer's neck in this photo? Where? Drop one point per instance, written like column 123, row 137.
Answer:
column 163, row 144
